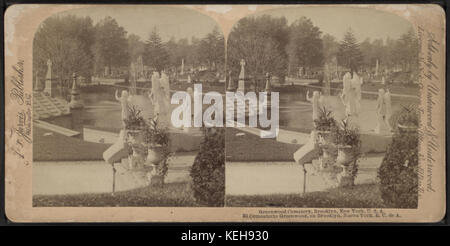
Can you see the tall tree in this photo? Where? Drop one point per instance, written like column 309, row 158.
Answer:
column 330, row 47
column 211, row 49
column 261, row 42
column 111, row 45
column 67, row 42
column 135, row 47
column 349, row 54
column 305, row 47
column 155, row 54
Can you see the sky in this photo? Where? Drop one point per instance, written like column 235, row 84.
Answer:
column 365, row 23
column 140, row 20
column 179, row 23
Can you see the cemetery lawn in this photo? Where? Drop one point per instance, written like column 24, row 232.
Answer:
column 52, row 146
column 410, row 90
column 250, row 147
column 171, row 195
column 359, row 196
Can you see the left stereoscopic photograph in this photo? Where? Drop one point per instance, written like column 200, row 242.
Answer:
column 103, row 133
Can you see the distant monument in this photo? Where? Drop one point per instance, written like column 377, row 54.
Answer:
column 76, row 105
column 189, row 79
column 230, row 82
column 133, row 79
column 241, row 84
column 182, row 66
column 140, row 69
column 50, row 81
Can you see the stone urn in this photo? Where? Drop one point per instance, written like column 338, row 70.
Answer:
column 156, row 160
column 324, row 136
column 344, row 158
column 155, row 154
column 328, row 155
column 135, row 139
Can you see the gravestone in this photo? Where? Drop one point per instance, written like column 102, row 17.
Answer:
column 50, row 81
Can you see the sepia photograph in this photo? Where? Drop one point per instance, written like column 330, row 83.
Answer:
column 102, row 84
column 348, row 89
column 225, row 113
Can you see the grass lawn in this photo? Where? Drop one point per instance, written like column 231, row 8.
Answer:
column 250, row 147
column 359, row 196
column 412, row 90
column 171, row 195
column 57, row 147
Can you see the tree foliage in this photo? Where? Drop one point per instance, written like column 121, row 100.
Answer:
column 135, row 47
column 111, row 45
column 349, row 54
column 208, row 170
column 211, row 49
column 261, row 42
column 305, row 46
column 156, row 54
column 66, row 41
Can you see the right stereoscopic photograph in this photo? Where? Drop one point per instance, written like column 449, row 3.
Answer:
column 343, row 86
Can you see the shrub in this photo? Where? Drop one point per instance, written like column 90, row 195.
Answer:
column 134, row 121
column 325, row 122
column 398, row 171
column 407, row 116
column 208, row 170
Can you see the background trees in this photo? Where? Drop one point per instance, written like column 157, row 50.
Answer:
column 155, row 53
column 349, row 54
column 211, row 49
column 135, row 47
column 66, row 41
column 111, row 45
column 305, row 46
column 261, row 42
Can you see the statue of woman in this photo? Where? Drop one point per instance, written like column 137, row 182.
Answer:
column 356, row 91
column 388, row 104
column 124, row 103
column 165, row 85
column 316, row 102
column 346, row 91
column 158, row 97
column 381, row 111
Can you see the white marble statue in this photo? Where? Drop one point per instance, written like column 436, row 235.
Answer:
column 124, row 103
column 317, row 102
column 165, row 85
column 388, row 105
column 159, row 100
column 381, row 112
column 348, row 95
column 356, row 89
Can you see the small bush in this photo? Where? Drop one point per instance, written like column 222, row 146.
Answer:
column 407, row 116
column 398, row 171
column 208, row 170
column 325, row 122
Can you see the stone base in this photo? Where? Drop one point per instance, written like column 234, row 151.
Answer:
column 346, row 181
column 156, row 181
